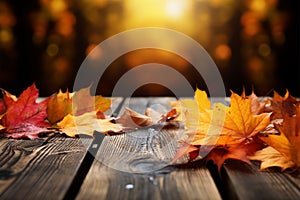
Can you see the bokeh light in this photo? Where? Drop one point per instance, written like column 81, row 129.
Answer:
column 253, row 42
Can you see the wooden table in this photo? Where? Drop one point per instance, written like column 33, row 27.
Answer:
column 109, row 168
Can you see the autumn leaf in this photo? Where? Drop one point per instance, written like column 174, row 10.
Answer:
column 230, row 129
column 270, row 157
column 23, row 117
column 240, row 123
column 286, row 145
column 83, row 102
column 185, row 149
column 279, row 106
column 24, row 130
column 6, row 101
column 132, row 119
column 257, row 107
column 26, row 110
column 77, row 103
column 59, row 105
column 86, row 124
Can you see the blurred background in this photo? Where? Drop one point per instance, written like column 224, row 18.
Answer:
column 254, row 43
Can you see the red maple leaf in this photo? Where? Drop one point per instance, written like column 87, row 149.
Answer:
column 24, row 115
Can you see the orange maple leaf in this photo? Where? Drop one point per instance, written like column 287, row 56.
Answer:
column 77, row 103
column 284, row 150
column 59, row 105
column 223, row 127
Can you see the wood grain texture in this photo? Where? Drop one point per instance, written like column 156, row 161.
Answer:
column 135, row 165
column 250, row 183
column 37, row 169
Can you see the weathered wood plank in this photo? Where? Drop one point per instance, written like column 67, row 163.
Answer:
column 37, row 169
column 123, row 158
column 249, row 183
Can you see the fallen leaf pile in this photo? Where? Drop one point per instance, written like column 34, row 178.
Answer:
column 267, row 131
column 68, row 113
column 247, row 129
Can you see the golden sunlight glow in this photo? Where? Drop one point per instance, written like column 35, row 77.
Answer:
column 175, row 8
column 175, row 14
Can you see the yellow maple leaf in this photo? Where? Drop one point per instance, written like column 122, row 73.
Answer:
column 231, row 125
column 223, row 127
column 83, row 102
column 86, row 124
column 270, row 157
column 240, row 123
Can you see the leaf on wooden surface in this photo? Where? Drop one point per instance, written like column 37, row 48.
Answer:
column 23, row 116
column 133, row 119
column 25, row 130
column 158, row 117
column 279, row 106
column 240, row 151
column 86, row 124
column 83, row 102
column 270, row 157
column 77, row 103
column 185, row 149
column 231, row 130
column 26, row 110
column 59, row 105
column 240, row 123
column 287, row 143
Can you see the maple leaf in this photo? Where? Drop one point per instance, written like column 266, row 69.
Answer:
column 77, row 103
column 287, row 144
column 270, row 157
column 240, row 123
column 23, row 117
column 26, row 110
column 83, row 102
column 24, row 130
column 231, row 129
column 257, row 107
column 279, row 106
column 59, row 105
column 86, row 124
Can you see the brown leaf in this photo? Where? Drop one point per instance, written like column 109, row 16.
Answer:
column 287, row 143
column 279, row 106
column 133, row 119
